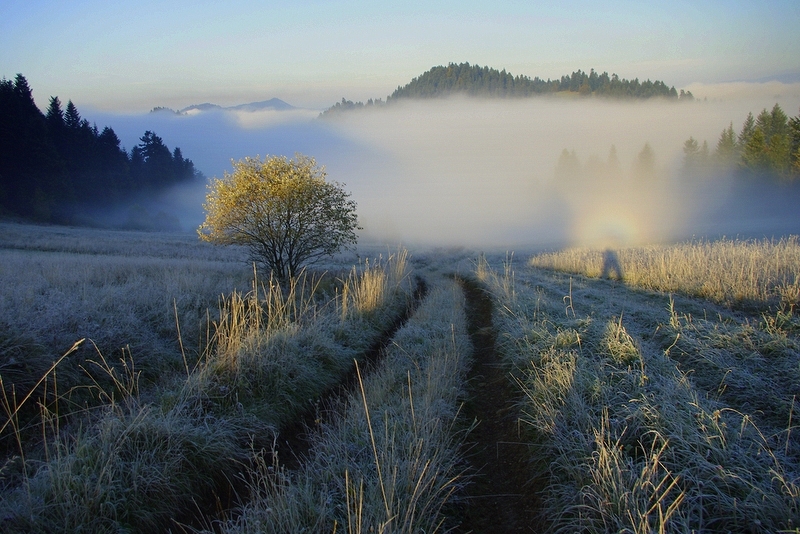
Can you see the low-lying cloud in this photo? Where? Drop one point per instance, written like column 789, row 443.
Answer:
column 744, row 91
column 483, row 172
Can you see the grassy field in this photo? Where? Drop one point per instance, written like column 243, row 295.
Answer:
column 749, row 274
column 659, row 412
column 660, row 398
column 148, row 438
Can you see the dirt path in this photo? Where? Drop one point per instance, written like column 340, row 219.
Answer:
column 294, row 440
column 502, row 497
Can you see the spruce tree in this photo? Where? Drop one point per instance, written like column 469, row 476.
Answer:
column 754, row 155
column 778, row 154
column 779, row 122
column 645, row 166
column 24, row 96
column 726, row 152
column 748, row 128
column 55, row 115
column 72, row 119
column 794, row 136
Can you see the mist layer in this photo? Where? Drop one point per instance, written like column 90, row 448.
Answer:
column 491, row 173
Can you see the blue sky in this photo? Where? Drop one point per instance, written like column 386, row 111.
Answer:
column 132, row 56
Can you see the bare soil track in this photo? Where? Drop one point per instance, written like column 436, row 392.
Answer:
column 294, row 440
column 502, row 495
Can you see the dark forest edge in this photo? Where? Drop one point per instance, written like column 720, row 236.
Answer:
column 768, row 144
column 57, row 168
column 477, row 81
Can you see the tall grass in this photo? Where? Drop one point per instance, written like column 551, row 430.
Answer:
column 276, row 349
column 121, row 290
column 146, row 463
column 131, row 466
column 388, row 460
column 364, row 290
column 734, row 272
column 626, row 441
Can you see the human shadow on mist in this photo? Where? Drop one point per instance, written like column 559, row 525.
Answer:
column 611, row 265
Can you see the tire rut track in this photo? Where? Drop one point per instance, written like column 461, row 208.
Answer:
column 502, row 495
column 295, row 440
column 715, row 369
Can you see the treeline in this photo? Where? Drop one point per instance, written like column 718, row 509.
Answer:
column 474, row 80
column 747, row 185
column 570, row 171
column 768, row 144
column 55, row 165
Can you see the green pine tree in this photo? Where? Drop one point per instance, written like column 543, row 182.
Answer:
column 754, row 155
column 726, row 152
column 748, row 128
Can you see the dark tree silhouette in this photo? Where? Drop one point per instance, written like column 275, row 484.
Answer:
column 474, row 80
column 55, row 164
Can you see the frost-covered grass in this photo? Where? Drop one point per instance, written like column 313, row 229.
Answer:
column 117, row 289
column 388, row 460
column 646, row 412
column 139, row 455
column 742, row 273
column 274, row 352
column 651, row 426
column 96, row 242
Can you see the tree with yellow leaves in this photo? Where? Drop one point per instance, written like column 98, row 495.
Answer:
column 283, row 210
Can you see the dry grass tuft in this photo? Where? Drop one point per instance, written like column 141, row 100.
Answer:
column 388, row 461
column 741, row 273
column 627, row 439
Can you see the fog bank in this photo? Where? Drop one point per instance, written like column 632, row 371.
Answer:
column 482, row 173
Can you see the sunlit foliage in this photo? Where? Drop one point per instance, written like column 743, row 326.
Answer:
column 283, row 210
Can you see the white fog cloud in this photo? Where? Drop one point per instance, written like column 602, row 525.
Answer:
column 786, row 94
column 270, row 118
column 482, row 172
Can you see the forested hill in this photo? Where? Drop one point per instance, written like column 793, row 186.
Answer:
column 56, row 167
column 474, row 80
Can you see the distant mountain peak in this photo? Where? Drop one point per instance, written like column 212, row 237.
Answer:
column 272, row 103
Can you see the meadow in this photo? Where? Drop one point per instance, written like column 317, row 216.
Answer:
column 653, row 410
column 152, row 383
